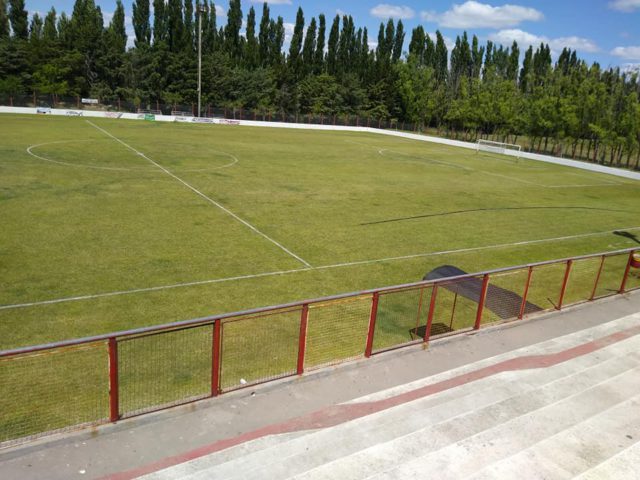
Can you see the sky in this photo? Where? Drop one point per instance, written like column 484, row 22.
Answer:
column 605, row 31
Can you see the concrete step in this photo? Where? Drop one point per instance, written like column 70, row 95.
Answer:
column 475, row 451
column 405, row 448
column 623, row 466
column 577, row 449
column 330, row 444
column 550, row 346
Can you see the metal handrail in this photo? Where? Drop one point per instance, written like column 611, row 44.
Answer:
column 244, row 313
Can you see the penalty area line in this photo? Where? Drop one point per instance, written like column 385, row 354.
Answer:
column 306, row 269
column 202, row 195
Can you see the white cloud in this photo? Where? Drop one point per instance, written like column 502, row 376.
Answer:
column 625, row 5
column 474, row 14
column 288, row 31
column 629, row 53
column 386, row 11
column 524, row 39
column 220, row 12
column 631, row 68
column 340, row 12
column 273, row 2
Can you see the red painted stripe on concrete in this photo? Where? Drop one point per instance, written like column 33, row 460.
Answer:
column 337, row 414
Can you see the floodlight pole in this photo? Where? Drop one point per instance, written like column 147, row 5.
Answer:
column 201, row 9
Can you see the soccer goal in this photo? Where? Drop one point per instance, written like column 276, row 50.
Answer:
column 498, row 147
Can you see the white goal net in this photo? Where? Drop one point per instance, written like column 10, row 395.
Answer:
column 498, row 147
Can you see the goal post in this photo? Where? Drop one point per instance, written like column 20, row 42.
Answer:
column 490, row 146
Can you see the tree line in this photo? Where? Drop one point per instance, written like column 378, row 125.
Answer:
column 329, row 68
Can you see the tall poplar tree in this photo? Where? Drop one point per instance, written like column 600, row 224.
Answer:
column 320, row 43
column 141, row 26
column 398, row 42
column 309, row 48
column 296, row 41
column 332, row 47
column 19, row 19
column 232, row 42
column 263, row 36
column 251, row 51
column 159, row 22
column 4, row 20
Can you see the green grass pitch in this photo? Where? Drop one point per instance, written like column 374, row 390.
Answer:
column 213, row 219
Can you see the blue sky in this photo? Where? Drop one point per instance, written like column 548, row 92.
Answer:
column 607, row 31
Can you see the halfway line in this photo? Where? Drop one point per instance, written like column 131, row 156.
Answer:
column 198, row 192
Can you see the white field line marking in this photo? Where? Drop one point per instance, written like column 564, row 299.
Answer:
column 464, row 167
column 306, row 269
column 233, row 161
column 612, row 182
column 208, row 199
column 67, row 164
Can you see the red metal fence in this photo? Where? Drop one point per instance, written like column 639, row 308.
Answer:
column 54, row 387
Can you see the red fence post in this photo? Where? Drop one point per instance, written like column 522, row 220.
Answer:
column 595, row 285
column 114, row 393
column 524, row 295
column 372, row 324
column 432, row 307
column 483, row 295
column 302, row 340
column 216, row 354
column 626, row 273
column 564, row 284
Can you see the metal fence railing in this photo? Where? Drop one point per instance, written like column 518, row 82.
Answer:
column 89, row 381
column 211, row 111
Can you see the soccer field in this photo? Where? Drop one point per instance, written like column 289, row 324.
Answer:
column 113, row 224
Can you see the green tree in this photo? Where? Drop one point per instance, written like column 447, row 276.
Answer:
column 141, row 25
column 19, row 19
column 4, row 20
column 233, row 45
column 189, row 28
column 174, row 25
column 251, row 50
column 332, row 46
column 320, row 43
column 309, row 48
column 264, row 36
column 296, row 41
column 159, row 22
column 398, row 42
column 440, row 59
column 50, row 31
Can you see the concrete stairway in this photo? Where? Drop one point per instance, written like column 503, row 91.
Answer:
column 578, row 418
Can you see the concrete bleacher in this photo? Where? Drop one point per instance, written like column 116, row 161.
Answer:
column 570, row 415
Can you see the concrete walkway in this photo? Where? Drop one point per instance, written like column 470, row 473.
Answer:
column 554, row 397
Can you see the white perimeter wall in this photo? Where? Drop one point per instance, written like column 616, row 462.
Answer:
column 251, row 123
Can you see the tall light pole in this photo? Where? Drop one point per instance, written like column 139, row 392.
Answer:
column 201, row 10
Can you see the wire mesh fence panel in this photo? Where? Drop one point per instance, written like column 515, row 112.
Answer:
column 456, row 306
column 167, row 368
column 260, row 348
column 401, row 317
column 633, row 279
column 582, row 278
column 337, row 330
column 611, row 275
column 53, row 390
column 545, row 286
column 504, row 296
